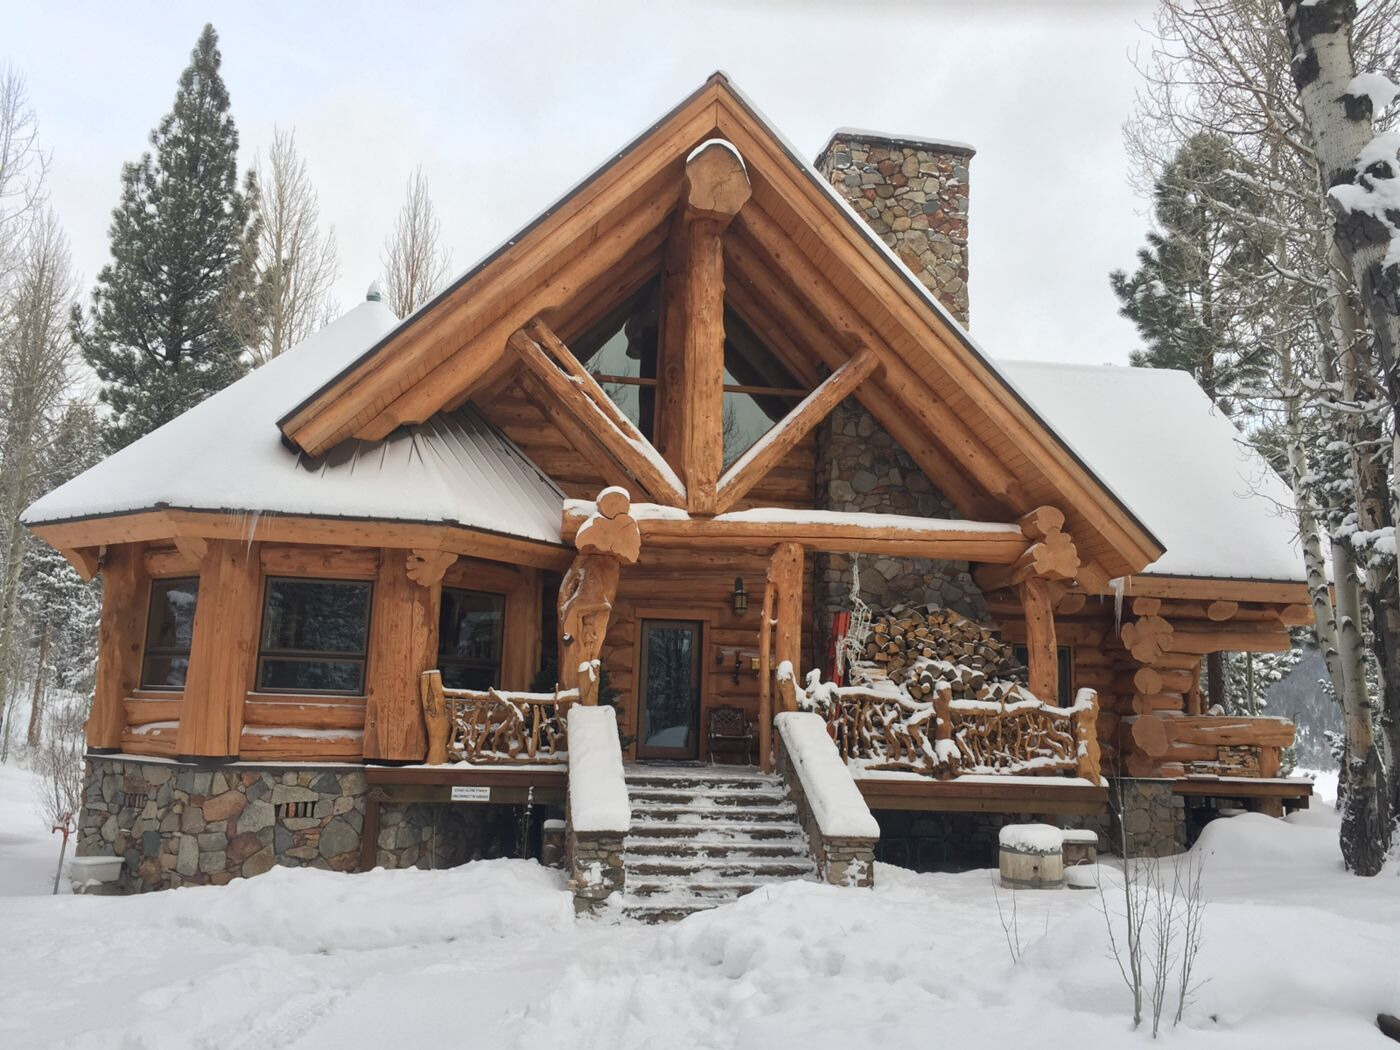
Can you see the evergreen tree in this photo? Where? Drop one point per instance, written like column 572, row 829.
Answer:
column 161, row 332
column 1195, row 297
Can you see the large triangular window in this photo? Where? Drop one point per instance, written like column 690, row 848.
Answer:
column 621, row 351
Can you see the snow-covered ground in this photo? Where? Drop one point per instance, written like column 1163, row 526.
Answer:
column 1297, row 954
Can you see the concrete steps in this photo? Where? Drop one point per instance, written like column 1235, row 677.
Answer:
column 705, row 836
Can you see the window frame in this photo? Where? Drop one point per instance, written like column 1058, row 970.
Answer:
column 148, row 650
column 310, row 656
column 1064, row 658
column 444, row 661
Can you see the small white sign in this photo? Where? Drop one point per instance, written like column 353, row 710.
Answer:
column 470, row 793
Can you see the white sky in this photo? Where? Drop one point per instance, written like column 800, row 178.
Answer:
column 508, row 104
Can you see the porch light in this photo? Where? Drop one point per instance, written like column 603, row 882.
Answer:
column 741, row 597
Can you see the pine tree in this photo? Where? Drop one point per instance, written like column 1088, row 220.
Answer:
column 160, row 333
column 1195, row 295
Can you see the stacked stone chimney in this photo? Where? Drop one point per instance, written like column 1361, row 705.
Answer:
column 913, row 193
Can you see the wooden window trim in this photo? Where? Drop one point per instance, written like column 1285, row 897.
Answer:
column 315, row 656
column 148, row 650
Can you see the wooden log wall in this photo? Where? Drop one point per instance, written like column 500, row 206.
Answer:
column 688, row 586
column 230, row 717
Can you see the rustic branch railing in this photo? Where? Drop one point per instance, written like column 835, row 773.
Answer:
column 883, row 729
column 485, row 727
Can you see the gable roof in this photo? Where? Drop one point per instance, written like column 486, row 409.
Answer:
column 973, row 423
column 225, row 455
column 1156, row 437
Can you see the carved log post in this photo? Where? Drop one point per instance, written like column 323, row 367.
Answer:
column 785, row 577
column 605, row 542
column 1086, row 736
column 765, row 682
column 436, row 714
column 1042, row 654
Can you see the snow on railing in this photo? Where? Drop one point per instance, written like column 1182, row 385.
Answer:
column 492, row 726
column 879, row 726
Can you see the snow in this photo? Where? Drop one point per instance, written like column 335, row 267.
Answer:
column 862, row 519
column 1298, row 955
column 1376, row 85
column 723, row 143
column 1031, row 838
column 226, row 454
column 28, row 849
column 597, row 790
column 1159, row 444
column 885, row 136
column 836, row 803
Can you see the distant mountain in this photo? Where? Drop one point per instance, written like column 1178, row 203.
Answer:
column 1301, row 696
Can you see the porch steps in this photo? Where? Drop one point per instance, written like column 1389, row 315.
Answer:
column 705, row 836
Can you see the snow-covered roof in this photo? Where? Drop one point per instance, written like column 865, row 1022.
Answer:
column 226, row 454
column 1160, row 444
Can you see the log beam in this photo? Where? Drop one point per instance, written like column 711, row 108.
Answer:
column 86, row 561
column 599, row 428
column 754, row 465
column 717, row 186
column 1050, row 556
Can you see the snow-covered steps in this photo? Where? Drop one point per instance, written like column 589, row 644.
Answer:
column 705, row 836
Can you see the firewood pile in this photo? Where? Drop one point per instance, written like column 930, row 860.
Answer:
column 919, row 648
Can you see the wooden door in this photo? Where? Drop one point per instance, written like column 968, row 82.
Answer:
column 669, row 689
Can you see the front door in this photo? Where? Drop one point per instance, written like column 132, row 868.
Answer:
column 670, row 690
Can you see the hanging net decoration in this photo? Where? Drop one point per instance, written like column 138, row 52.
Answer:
column 852, row 647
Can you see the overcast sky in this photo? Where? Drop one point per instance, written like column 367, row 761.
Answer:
column 508, row 104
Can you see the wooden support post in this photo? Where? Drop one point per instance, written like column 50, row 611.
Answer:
column 785, row 577
column 606, row 541
column 1042, row 656
column 222, row 651
column 717, row 186
column 126, row 592
column 403, row 644
column 520, row 656
column 436, row 715
column 765, row 682
column 1086, row 734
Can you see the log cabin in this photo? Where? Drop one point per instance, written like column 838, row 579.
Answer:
column 708, row 441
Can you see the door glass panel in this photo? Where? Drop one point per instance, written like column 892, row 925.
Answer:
column 671, row 686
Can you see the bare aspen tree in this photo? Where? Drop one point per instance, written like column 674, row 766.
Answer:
column 415, row 261
column 36, row 360
column 297, row 263
column 23, row 165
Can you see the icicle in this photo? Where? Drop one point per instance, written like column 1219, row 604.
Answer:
column 1118, row 585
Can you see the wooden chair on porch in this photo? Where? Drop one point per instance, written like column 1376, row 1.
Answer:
column 731, row 733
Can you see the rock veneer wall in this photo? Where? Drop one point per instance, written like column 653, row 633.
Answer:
column 861, row 468
column 184, row 825
column 913, row 193
column 841, row 861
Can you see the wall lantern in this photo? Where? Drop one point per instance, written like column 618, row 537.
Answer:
column 741, row 597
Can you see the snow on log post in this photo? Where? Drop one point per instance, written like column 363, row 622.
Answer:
column 717, row 186
column 841, row 831
column 605, row 542
column 120, row 639
column 599, row 812
column 222, row 649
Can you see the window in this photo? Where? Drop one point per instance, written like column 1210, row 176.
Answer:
column 169, row 631
column 1064, row 656
column 469, row 638
column 314, row 636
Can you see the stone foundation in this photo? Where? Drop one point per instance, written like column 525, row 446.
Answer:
column 595, row 862
column 184, row 825
column 1154, row 819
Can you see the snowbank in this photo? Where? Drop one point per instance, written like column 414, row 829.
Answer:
column 836, row 803
column 598, row 799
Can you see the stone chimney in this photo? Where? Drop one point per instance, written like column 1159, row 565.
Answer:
column 913, row 193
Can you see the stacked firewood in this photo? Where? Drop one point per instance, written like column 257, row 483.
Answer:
column 919, row 648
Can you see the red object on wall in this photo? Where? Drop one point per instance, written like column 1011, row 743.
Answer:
column 840, row 624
